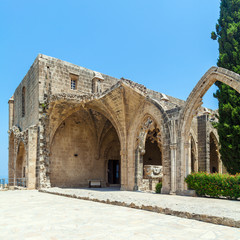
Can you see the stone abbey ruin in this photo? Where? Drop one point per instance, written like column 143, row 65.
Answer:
column 69, row 125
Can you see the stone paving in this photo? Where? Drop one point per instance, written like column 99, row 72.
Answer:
column 219, row 211
column 32, row 215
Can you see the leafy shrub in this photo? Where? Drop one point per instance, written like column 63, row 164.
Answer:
column 158, row 187
column 214, row 185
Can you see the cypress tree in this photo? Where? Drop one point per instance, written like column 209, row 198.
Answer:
column 228, row 36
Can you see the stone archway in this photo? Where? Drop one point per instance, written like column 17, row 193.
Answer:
column 190, row 110
column 137, row 135
column 148, row 159
column 77, row 154
column 21, row 165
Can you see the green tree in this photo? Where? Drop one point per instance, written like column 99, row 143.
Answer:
column 228, row 36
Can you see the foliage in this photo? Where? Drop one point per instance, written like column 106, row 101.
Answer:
column 158, row 187
column 228, row 36
column 214, row 185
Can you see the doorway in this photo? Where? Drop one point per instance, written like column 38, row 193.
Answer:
column 113, row 172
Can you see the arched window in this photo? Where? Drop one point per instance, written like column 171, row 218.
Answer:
column 23, row 101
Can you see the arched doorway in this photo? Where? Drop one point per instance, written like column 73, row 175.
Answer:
column 82, row 146
column 113, row 159
column 21, row 166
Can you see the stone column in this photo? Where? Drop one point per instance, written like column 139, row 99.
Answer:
column 138, row 167
column 187, row 150
column 173, row 157
column 173, row 148
column 124, row 169
column 32, row 157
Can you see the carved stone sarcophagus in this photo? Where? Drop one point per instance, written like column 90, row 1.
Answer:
column 152, row 171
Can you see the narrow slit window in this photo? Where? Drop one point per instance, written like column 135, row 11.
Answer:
column 23, row 101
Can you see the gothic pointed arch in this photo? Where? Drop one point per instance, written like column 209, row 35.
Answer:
column 21, row 163
column 191, row 108
column 76, row 150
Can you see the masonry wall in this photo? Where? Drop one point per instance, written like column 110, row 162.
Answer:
column 30, row 82
column 169, row 104
column 57, row 77
column 202, row 142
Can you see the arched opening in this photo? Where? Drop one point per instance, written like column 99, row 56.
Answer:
column 153, row 155
column 21, row 166
column 113, row 159
column 23, row 101
column 194, row 166
column 150, row 169
column 83, row 148
column 191, row 110
column 152, row 163
column 214, row 155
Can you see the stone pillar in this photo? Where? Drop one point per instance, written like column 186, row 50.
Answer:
column 32, row 157
column 138, row 167
column 173, row 148
column 11, row 112
column 187, row 150
column 124, row 169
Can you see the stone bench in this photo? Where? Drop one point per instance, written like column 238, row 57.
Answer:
column 94, row 183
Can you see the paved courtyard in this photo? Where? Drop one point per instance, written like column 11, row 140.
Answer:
column 34, row 215
column 220, row 211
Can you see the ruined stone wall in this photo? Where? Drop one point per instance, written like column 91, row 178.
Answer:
column 166, row 101
column 202, row 142
column 194, row 128
column 59, row 74
column 30, row 82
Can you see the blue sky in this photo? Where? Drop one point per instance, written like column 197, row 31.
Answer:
column 164, row 45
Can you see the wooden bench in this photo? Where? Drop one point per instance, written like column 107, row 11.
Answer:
column 94, row 183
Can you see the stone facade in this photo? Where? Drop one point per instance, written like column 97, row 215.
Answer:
column 69, row 125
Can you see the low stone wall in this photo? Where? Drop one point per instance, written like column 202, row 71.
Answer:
column 137, row 205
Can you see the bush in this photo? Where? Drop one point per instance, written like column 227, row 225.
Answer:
column 158, row 187
column 214, row 185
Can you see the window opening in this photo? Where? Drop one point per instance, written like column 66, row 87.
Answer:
column 73, row 84
column 74, row 79
column 23, row 102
